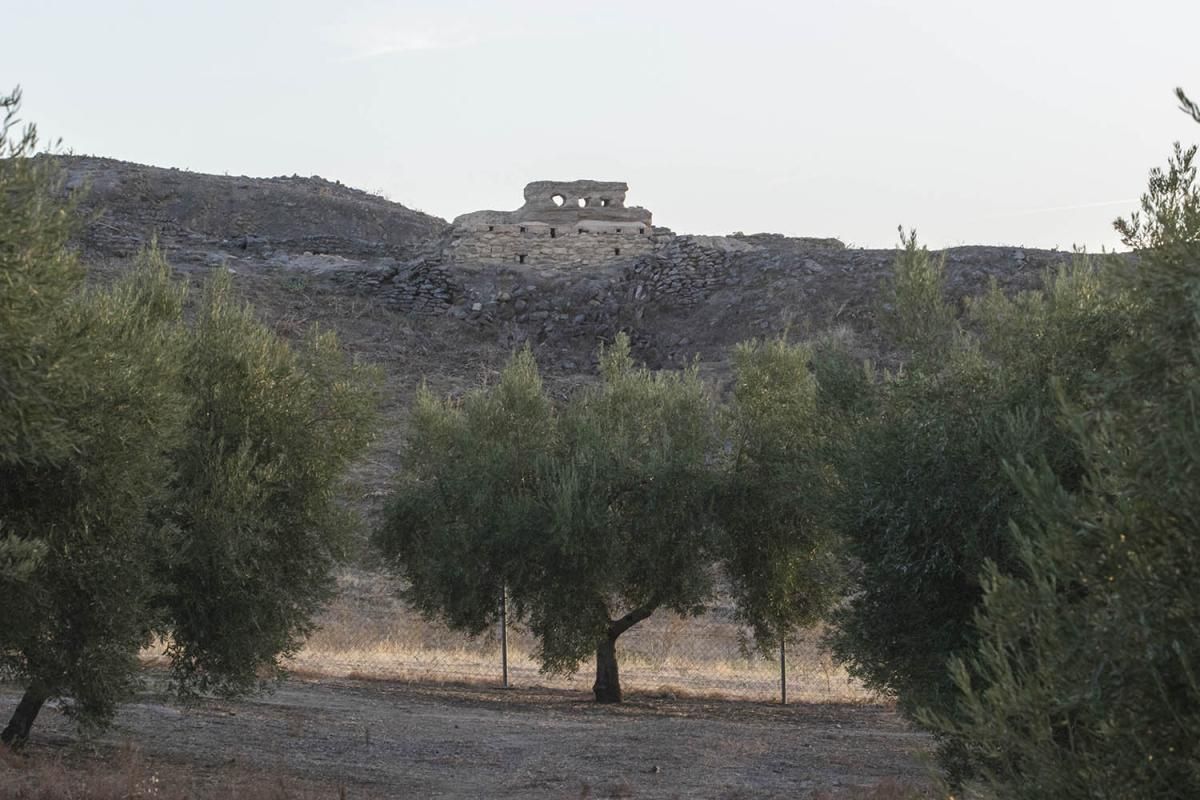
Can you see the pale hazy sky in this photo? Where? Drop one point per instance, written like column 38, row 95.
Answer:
column 1023, row 123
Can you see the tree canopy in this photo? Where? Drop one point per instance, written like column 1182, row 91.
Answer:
column 779, row 540
column 159, row 480
column 1084, row 679
column 927, row 498
column 592, row 516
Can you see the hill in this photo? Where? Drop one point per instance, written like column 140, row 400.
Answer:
column 191, row 212
column 307, row 251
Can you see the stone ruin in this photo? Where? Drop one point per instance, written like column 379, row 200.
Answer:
column 563, row 223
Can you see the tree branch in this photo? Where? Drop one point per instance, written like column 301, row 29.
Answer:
column 1186, row 105
column 619, row 626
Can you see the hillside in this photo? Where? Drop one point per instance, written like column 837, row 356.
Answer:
column 191, row 212
column 306, row 251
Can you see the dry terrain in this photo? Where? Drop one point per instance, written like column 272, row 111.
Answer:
column 373, row 739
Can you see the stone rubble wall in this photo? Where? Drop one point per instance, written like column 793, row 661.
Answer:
column 682, row 272
column 689, row 295
column 421, row 285
column 671, row 272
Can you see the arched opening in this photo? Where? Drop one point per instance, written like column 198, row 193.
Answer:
column 604, row 202
column 558, row 199
column 582, row 202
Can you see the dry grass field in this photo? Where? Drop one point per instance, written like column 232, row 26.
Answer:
column 369, row 633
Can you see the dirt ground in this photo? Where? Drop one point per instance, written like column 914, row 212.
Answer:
column 370, row 739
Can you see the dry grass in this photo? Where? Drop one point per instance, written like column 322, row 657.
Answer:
column 128, row 775
column 369, row 633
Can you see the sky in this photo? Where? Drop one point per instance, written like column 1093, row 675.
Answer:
column 1017, row 123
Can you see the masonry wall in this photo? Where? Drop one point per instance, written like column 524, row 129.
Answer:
column 533, row 243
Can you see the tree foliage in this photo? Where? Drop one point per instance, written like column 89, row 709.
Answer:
column 157, row 479
column 254, row 520
column 1084, row 682
column 594, row 515
column 780, row 544
column 927, row 499
column 35, row 362
column 469, row 503
column 914, row 310
column 77, row 620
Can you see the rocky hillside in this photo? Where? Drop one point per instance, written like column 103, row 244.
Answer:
column 306, row 251
column 193, row 214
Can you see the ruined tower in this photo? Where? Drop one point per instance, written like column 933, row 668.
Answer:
column 563, row 223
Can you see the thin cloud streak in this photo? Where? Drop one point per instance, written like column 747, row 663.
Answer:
column 1055, row 209
column 410, row 43
column 362, row 41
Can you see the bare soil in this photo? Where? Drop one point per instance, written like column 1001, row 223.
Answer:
column 374, row 739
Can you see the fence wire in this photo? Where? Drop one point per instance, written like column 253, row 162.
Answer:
column 368, row 632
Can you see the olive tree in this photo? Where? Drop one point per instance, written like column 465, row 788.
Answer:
column 593, row 515
column 254, row 526
column 470, row 499
column 926, row 497
column 1083, row 681
column 159, row 480
column 76, row 619
column 34, row 361
column 779, row 540
column 89, row 404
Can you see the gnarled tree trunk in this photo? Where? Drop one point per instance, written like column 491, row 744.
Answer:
column 607, row 687
column 16, row 733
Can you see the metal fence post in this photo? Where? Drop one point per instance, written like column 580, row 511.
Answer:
column 504, row 634
column 783, row 670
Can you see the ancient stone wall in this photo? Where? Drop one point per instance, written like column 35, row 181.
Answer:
column 541, row 244
column 566, row 224
column 684, row 270
column 421, row 285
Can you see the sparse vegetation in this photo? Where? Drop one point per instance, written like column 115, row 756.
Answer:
column 129, row 775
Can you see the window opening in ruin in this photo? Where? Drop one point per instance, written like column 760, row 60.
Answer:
column 616, row 251
column 582, row 202
column 491, row 228
column 558, row 199
column 604, row 202
column 522, row 229
column 618, row 230
column 554, row 233
column 641, row 230
column 581, row 230
column 521, row 259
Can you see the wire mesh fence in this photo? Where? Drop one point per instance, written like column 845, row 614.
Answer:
column 368, row 632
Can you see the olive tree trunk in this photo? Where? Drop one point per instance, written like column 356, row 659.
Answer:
column 16, row 733
column 607, row 687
